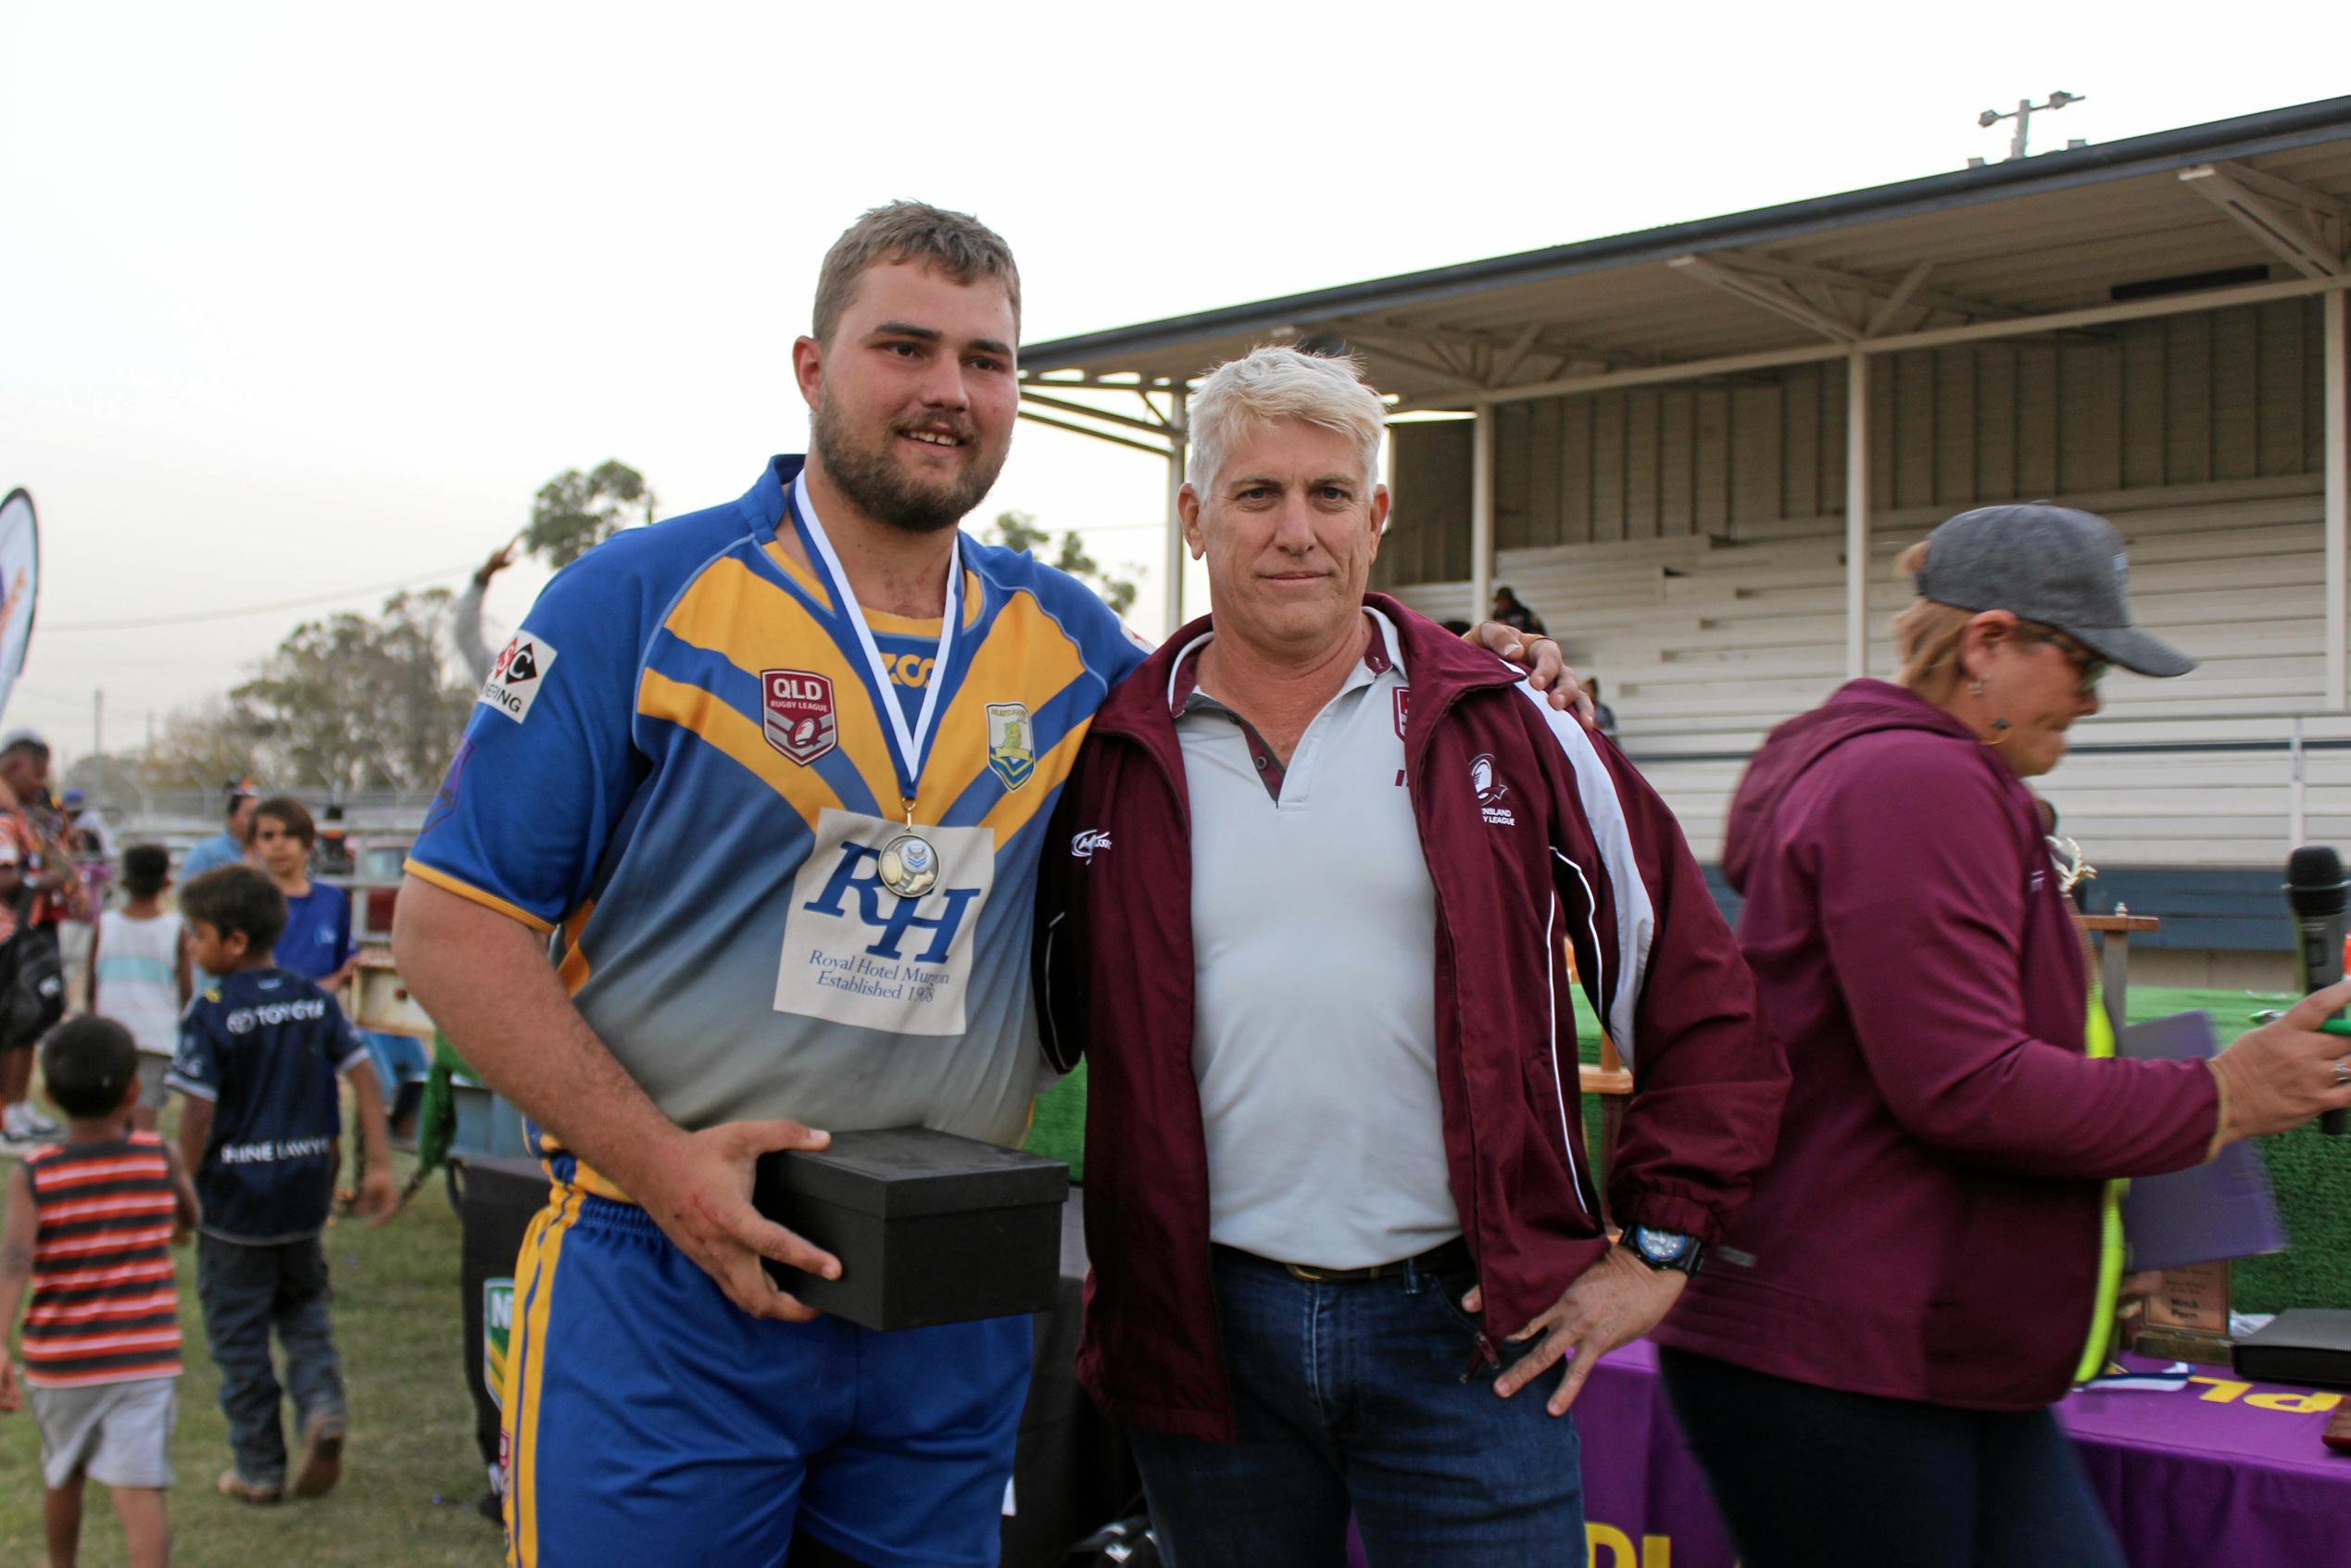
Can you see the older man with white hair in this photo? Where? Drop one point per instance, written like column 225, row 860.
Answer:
column 1309, row 906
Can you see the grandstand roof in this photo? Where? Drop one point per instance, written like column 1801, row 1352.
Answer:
column 2238, row 210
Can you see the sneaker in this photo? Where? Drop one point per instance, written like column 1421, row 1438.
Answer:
column 236, row 1485
column 27, row 1124
column 321, row 1465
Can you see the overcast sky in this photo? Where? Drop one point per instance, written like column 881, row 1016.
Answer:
column 302, row 300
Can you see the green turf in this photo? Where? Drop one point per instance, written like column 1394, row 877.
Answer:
column 1057, row 1131
column 410, row 1475
column 2309, row 1172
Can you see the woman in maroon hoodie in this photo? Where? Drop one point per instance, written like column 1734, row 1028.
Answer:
column 1865, row 1366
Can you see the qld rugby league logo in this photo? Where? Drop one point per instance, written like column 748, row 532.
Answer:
column 796, row 709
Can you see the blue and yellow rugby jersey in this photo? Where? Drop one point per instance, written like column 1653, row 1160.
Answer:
column 677, row 762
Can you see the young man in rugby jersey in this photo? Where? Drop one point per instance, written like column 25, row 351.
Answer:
column 90, row 1224
column 689, row 762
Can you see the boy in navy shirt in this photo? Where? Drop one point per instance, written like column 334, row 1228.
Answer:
column 260, row 1049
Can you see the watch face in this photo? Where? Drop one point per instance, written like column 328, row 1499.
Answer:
column 1659, row 1246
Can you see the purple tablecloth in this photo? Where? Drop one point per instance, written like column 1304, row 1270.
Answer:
column 2221, row 1471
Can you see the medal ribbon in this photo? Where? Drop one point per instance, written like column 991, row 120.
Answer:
column 906, row 746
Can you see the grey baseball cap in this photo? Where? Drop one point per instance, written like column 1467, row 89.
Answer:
column 2047, row 564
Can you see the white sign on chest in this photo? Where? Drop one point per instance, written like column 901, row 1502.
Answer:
column 856, row 953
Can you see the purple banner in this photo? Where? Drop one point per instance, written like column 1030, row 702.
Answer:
column 2218, row 1470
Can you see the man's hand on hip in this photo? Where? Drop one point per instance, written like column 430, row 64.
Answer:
column 1614, row 1302
column 698, row 1191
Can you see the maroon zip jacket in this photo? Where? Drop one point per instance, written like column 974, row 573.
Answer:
column 1929, row 1228
column 1564, row 843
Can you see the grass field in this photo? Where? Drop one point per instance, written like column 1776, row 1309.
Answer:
column 410, row 1475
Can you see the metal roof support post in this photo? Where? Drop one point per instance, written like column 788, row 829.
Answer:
column 2333, row 351
column 1856, row 515
column 1178, row 453
column 1481, row 513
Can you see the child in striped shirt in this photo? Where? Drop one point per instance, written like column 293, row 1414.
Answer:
column 90, row 1225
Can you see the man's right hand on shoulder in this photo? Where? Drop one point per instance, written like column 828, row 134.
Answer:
column 698, row 1191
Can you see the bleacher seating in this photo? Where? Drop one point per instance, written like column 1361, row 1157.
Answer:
column 1703, row 644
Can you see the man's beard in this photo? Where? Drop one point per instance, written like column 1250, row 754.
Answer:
column 871, row 479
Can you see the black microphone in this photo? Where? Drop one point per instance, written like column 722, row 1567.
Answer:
column 2315, row 886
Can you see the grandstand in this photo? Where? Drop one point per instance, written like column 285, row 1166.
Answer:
column 1697, row 451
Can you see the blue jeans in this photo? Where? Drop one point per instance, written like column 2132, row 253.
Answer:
column 1352, row 1398
column 247, row 1291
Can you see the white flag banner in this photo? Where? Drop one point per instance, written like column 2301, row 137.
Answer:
column 19, row 585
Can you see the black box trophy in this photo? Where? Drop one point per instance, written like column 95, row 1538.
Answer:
column 929, row 1227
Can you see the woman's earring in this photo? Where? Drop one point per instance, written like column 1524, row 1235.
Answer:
column 1975, row 687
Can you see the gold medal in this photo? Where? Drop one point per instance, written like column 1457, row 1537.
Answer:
column 908, row 865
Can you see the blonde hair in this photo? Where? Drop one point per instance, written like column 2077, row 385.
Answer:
column 1927, row 635
column 1271, row 383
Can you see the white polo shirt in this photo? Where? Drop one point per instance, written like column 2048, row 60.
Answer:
column 1314, row 941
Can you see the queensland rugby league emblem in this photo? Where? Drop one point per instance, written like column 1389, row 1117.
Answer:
column 795, row 709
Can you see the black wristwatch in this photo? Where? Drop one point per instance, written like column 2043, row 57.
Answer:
column 1665, row 1250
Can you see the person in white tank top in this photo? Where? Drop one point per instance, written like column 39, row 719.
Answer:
column 139, row 973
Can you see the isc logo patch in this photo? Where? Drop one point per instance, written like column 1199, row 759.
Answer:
column 795, row 707
column 516, row 678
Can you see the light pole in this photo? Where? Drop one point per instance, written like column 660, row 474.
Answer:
column 2022, row 115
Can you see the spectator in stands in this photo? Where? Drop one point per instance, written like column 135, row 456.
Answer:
column 1918, row 1269
column 1332, row 1033
column 140, row 972
column 1604, row 718
column 233, row 842
column 1511, row 613
column 33, row 982
column 473, row 648
column 317, row 941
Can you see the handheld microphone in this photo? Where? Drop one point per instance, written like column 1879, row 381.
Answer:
column 2315, row 889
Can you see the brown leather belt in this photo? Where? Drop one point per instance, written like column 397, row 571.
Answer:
column 1450, row 1257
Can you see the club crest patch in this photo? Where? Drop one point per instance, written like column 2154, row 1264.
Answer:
column 795, row 710
column 1011, row 743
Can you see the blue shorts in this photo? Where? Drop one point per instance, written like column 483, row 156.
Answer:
column 647, row 1419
